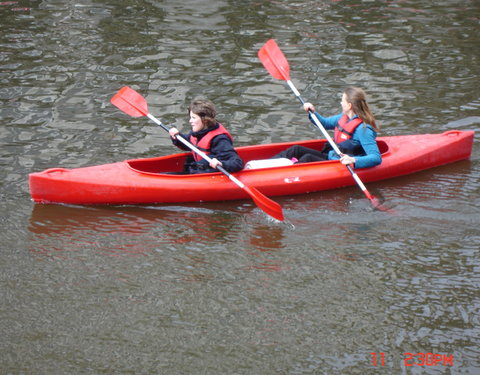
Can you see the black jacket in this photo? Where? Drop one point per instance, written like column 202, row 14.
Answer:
column 221, row 148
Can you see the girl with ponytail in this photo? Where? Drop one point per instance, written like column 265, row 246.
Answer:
column 355, row 134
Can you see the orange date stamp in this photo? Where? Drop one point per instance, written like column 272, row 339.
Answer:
column 415, row 359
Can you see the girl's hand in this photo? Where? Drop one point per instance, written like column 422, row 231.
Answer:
column 214, row 163
column 347, row 159
column 309, row 107
column 173, row 132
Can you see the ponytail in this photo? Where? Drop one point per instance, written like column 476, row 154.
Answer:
column 357, row 97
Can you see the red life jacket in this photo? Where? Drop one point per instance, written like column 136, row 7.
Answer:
column 345, row 128
column 206, row 141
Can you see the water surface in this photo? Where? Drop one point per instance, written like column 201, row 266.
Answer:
column 219, row 288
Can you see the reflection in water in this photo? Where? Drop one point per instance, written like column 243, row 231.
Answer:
column 123, row 231
column 266, row 238
column 264, row 241
column 60, row 232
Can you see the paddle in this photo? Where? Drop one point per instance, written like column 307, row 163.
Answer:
column 135, row 105
column 276, row 64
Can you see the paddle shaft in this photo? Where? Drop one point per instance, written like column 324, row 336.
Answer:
column 196, row 150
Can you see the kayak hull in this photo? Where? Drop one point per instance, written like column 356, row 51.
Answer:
column 144, row 181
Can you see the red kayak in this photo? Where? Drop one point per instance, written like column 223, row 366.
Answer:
column 144, row 181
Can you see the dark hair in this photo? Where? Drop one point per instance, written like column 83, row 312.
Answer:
column 205, row 109
column 357, row 98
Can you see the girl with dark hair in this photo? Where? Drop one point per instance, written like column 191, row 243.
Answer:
column 209, row 136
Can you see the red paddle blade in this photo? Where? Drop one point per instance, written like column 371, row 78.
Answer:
column 379, row 206
column 130, row 102
column 265, row 204
column 274, row 60
column 376, row 203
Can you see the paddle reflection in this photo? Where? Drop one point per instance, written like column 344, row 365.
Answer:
column 264, row 245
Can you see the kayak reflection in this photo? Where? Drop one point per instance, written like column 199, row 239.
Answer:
column 127, row 230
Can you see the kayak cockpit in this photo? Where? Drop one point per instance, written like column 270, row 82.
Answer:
column 174, row 163
column 161, row 164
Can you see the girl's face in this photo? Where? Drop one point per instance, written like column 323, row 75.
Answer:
column 196, row 122
column 346, row 106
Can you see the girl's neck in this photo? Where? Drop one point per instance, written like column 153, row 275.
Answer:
column 350, row 114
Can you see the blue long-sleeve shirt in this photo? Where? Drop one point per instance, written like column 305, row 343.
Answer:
column 365, row 135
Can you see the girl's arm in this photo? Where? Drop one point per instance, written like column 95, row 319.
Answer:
column 222, row 150
column 368, row 139
column 327, row 122
column 174, row 133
